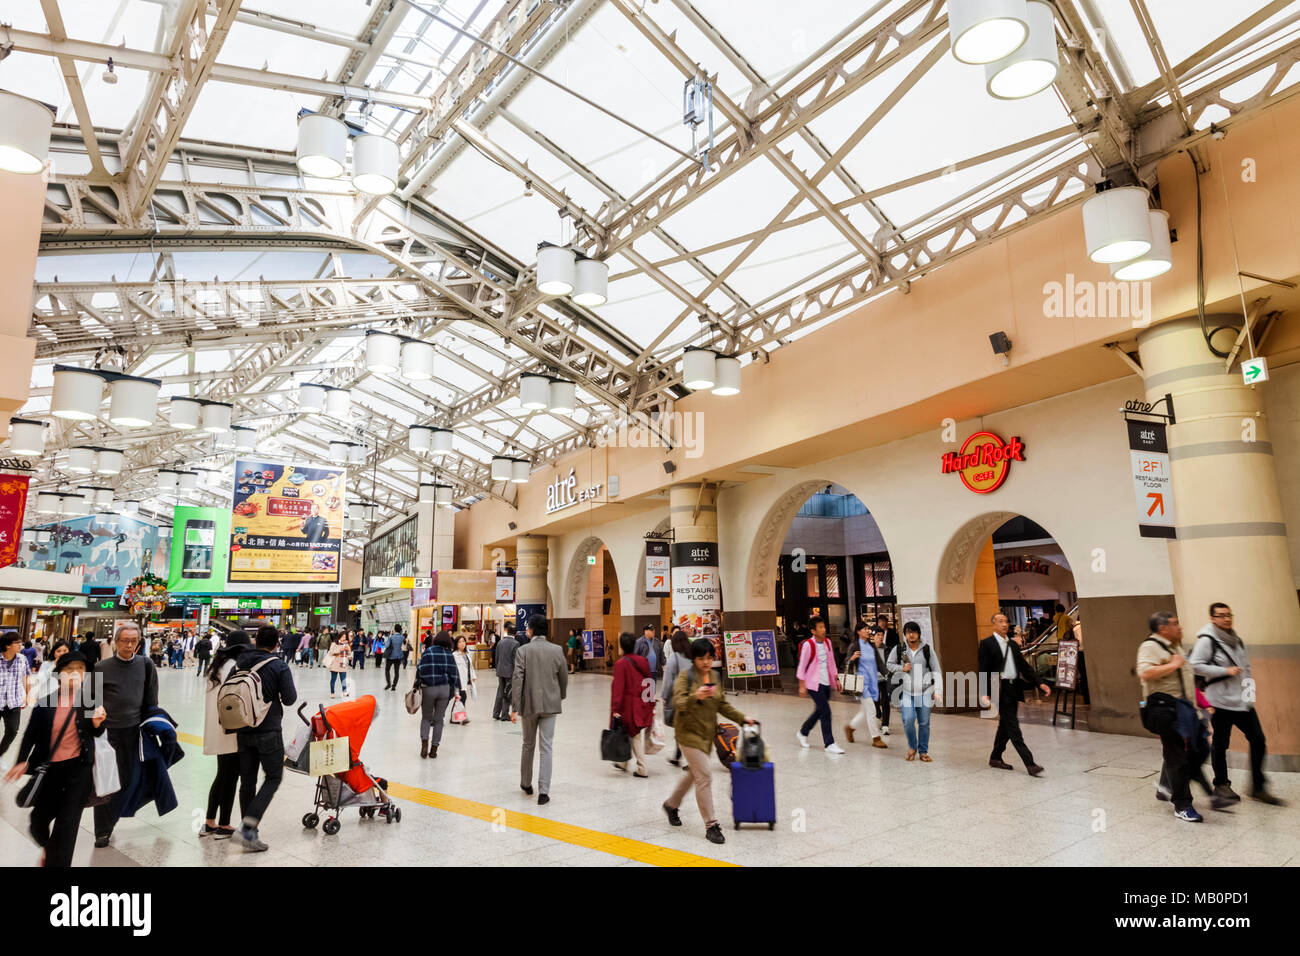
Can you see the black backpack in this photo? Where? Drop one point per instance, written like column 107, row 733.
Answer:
column 1204, row 682
column 901, row 648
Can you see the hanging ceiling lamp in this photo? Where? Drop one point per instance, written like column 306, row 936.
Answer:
column 982, row 31
column 339, row 450
column 426, row 496
column 75, row 503
column 245, row 437
column 382, row 352
column 25, row 127
column 556, row 269
column 699, row 369
column 215, row 417
column 133, row 402
column 187, row 480
column 356, row 454
column 167, row 479
column 26, row 437
column 103, row 497
column 520, row 470
column 502, row 468
column 563, row 397
column 442, row 495
column 322, row 146
column 131, row 506
column 47, row 503
column 185, row 413
column 726, row 369
column 81, row 460
column 591, row 282
column 78, row 393
column 108, row 461
column 1033, row 67
column 1116, row 226
column 311, row 397
column 419, row 438
column 417, row 360
column 338, row 402
column 534, row 391
column 1158, row 260
column 440, row 441
column 374, row 164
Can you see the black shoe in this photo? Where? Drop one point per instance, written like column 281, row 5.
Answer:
column 674, row 818
column 1226, row 792
column 714, row 834
column 998, row 764
column 1164, row 793
column 101, row 841
column 526, row 788
column 1034, row 770
column 1263, row 796
column 543, row 798
column 424, row 748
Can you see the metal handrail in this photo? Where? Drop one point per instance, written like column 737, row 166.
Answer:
column 1042, row 638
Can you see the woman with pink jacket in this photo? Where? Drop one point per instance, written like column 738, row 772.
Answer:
column 816, row 676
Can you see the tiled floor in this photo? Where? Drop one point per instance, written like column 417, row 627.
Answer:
column 1094, row 806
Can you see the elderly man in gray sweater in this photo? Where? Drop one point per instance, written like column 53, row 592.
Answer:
column 506, row 649
column 539, row 684
column 1220, row 658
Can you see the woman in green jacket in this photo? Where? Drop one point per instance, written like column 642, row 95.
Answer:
column 697, row 701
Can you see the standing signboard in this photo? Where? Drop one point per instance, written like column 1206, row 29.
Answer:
column 738, row 650
column 1149, row 453
column 765, row 663
column 658, row 569
column 1067, row 665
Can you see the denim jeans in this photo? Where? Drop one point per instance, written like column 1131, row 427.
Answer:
column 343, row 674
column 916, row 721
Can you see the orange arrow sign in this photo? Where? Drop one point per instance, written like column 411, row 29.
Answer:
column 659, row 580
column 1159, row 502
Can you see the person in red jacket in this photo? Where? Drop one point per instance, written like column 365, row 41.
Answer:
column 632, row 699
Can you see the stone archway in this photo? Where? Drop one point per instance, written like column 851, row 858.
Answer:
column 575, row 578
column 765, row 552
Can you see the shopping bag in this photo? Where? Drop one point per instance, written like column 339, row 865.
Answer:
column 294, row 748
column 615, row 744
column 412, row 699
column 459, row 715
column 107, row 780
column 656, row 740
column 473, row 691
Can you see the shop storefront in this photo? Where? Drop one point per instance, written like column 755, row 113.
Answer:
column 463, row 602
column 41, row 615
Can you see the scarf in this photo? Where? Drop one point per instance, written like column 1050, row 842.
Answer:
column 1227, row 638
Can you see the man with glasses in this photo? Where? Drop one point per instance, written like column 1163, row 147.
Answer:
column 1222, row 666
column 129, row 686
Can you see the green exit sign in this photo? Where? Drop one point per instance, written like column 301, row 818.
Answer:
column 321, row 610
column 591, row 559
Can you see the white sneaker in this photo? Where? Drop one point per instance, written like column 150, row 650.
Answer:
column 884, row 731
column 835, row 749
column 803, row 741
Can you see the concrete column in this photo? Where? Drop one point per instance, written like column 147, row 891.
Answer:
column 1232, row 541
column 693, row 512
column 23, row 200
column 531, row 555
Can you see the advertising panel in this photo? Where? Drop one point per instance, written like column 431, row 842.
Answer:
column 110, row 550
column 198, row 560
column 1149, row 453
column 391, row 555
column 697, row 589
column 658, row 570
column 286, row 526
column 13, row 506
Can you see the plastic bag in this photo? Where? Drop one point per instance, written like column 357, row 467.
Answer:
column 107, row 780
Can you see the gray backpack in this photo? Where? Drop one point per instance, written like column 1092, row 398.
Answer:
column 241, row 704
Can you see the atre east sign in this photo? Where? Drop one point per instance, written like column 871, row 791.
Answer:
column 984, row 461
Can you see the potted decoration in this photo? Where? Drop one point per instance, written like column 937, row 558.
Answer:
column 146, row 594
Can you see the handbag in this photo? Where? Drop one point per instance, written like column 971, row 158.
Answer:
column 413, row 698
column 615, row 744
column 107, row 780
column 30, row 792
column 852, row 679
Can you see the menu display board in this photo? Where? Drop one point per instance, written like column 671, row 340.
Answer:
column 286, row 526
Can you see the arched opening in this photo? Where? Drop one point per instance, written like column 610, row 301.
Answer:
column 592, row 594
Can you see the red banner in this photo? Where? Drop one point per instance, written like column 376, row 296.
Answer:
column 13, row 506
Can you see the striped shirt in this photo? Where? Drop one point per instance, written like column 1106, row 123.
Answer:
column 438, row 666
column 13, row 681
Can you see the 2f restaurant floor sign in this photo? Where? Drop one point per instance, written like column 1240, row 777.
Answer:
column 1149, row 452
column 984, row 461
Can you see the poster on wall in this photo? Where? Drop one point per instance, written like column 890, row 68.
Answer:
column 697, row 589
column 524, row 613
column 198, row 560
column 109, row 549
column 658, row 569
column 921, row 615
column 391, row 555
column 593, row 645
column 286, row 526
column 13, row 507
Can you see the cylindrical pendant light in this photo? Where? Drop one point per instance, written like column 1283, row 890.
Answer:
column 133, row 402
column 185, row 413
column 374, row 164
column 77, row 394
column 166, row 479
column 187, row 480
column 81, row 460
column 369, row 511
column 699, row 369
column 382, row 352
column 74, row 504
column 426, row 493
column 591, row 282
column 322, row 146
column 727, row 372
column 556, row 269
column 338, row 403
column 563, row 397
column 25, row 127
column 215, row 417
column 356, row 454
column 43, row 536
column 245, row 438
column 26, row 436
column 1033, row 67
column 103, row 497
column 1159, row 258
column 502, row 469
column 339, row 451
column 47, row 503
column 534, row 391
column 1116, row 227
column 442, row 495
column 311, row 397
column 131, row 506
column 417, row 360
column 440, row 443
column 108, row 461
column 982, row 31
column 520, row 469
column 419, row 438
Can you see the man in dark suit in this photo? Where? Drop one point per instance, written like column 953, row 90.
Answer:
column 1005, row 672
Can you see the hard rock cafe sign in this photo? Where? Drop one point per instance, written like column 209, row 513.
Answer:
column 984, row 461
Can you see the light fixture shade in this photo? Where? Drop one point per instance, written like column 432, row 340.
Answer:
column 338, row 403
column 166, row 479
column 1159, row 258
column 374, row 164
column 563, row 397
column 74, row 504
column 108, row 462
column 133, row 402
column 215, row 418
column 81, row 460
column 43, row 536
column 185, row 413
column 245, row 438
column 440, row 443
column 25, row 127
column 520, row 469
column 322, row 146
column 727, row 371
column 103, row 497
column 534, row 391
column 47, row 503
column 426, row 493
column 26, row 437
column 382, row 352
column 77, row 394
column 187, row 480
column 339, row 451
column 311, row 398
column 442, row 495
column 982, row 31
column 356, row 454
column 502, row 469
column 131, row 506
column 417, row 360
column 1033, row 67
column 1116, row 226
column 369, row 512
column 556, row 269
column 699, row 369
column 591, row 286
column 419, row 438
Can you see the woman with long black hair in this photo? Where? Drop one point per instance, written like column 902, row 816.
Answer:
column 219, row 744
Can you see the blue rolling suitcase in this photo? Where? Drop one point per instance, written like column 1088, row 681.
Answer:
column 753, row 795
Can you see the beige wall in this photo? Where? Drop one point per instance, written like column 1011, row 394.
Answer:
column 22, row 202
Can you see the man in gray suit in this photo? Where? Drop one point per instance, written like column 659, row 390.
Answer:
column 505, row 654
column 537, row 686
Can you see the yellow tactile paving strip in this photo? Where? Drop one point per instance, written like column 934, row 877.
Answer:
column 541, row 826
